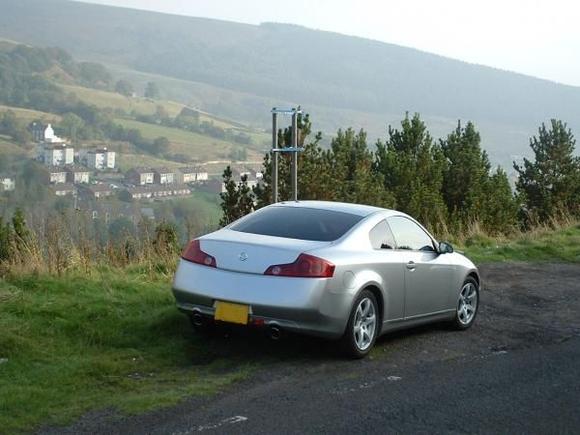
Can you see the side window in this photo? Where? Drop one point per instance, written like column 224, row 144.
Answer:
column 409, row 235
column 381, row 236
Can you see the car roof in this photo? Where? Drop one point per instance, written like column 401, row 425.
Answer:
column 344, row 207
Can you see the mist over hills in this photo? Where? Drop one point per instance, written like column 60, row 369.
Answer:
column 241, row 70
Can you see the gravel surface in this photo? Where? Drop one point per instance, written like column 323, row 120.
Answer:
column 516, row 370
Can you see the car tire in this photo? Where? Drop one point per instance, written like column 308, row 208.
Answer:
column 467, row 305
column 358, row 340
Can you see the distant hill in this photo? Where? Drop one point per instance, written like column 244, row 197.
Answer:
column 240, row 70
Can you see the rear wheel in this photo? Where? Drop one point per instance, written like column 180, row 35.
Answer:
column 467, row 304
column 363, row 326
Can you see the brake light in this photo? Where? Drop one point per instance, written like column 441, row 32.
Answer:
column 305, row 266
column 193, row 253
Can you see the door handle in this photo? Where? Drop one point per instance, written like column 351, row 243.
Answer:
column 411, row 265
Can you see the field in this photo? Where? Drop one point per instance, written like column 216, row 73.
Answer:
column 31, row 115
column 113, row 338
column 8, row 147
column 200, row 147
column 104, row 99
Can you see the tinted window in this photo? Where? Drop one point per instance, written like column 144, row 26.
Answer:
column 298, row 223
column 382, row 237
column 409, row 235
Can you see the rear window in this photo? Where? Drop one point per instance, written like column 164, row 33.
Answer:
column 298, row 223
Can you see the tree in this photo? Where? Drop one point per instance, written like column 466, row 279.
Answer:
column 500, row 208
column 72, row 126
column 465, row 175
column 160, row 146
column 351, row 164
column 125, row 88
column 245, row 203
column 152, row 90
column 412, row 169
column 229, row 199
column 5, row 241
column 550, row 184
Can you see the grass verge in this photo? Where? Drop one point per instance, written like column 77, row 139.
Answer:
column 113, row 338
column 541, row 244
column 68, row 345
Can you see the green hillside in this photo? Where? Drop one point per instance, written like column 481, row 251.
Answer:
column 342, row 80
column 200, row 147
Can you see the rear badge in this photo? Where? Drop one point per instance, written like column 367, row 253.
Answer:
column 243, row 256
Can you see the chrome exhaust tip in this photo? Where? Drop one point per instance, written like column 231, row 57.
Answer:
column 197, row 319
column 274, row 332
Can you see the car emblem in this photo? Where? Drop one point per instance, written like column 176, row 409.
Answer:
column 243, row 256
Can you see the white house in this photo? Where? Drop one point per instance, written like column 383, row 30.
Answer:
column 191, row 175
column 56, row 175
column 7, row 184
column 64, row 189
column 164, row 176
column 50, row 137
column 140, row 176
column 100, row 158
column 57, row 155
column 77, row 174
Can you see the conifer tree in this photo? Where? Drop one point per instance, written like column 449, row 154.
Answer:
column 229, row 198
column 245, row 203
column 550, row 184
column 500, row 211
column 412, row 169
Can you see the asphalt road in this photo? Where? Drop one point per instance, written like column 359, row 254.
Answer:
column 516, row 370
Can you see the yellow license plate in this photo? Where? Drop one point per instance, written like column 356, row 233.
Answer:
column 233, row 313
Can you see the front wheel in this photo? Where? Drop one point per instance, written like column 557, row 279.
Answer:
column 363, row 326
column 467, row 304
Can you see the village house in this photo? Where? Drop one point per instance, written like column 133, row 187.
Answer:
column 64, row 189
column 140, row 176
column 252, row 178
column 44, row 133
column 56, row 154
column 190, row 175
column 99, row 158
column 55, row 175
column 95, row 191
column 77, row 174
column 157, row 191
column 137, row 193
column 164, row 176
column 7, row 184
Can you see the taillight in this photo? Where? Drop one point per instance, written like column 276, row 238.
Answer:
column 305, row 266
column 193, row 253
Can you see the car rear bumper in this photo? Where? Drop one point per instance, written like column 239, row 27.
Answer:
column 302, row 305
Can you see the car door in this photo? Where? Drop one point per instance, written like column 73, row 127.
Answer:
column 392, row 271
column 427, row 276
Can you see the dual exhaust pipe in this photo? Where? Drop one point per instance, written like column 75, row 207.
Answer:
column 273, row 331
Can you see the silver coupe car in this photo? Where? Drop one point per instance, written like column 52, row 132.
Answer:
column 340, row 271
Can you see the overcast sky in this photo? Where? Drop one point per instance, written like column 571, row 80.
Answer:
column 539, row 38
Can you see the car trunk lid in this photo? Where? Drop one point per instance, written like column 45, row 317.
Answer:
column 253, row 253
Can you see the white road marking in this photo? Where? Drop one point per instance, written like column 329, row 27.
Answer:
column 225, row 421
column 394, row 378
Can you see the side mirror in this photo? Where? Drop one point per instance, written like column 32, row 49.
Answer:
column 445, row 248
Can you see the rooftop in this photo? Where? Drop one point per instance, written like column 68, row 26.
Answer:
column 76, row 168
column 192, row 170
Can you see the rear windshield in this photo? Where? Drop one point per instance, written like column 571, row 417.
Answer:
column 298, row 223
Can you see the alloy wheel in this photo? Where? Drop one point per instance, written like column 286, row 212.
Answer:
column 467, row 306
column 365, row 323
